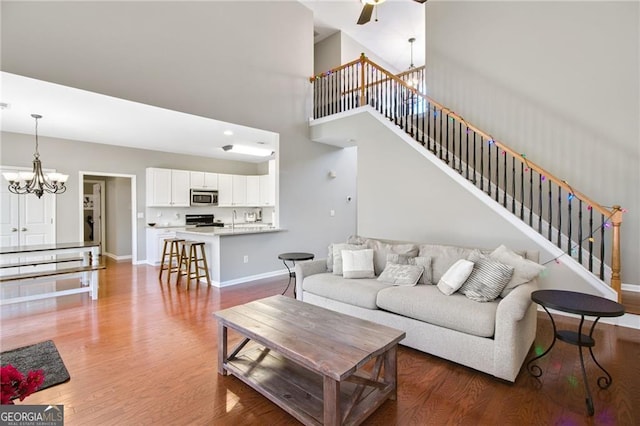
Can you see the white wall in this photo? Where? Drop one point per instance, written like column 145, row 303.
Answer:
column 339, row 49
column 326, row 53
column 555, row 80
column 242, row 62
column 404, row 196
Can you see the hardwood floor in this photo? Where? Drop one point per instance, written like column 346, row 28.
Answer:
column 145, row 353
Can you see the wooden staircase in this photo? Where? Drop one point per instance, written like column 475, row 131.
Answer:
column 585, row 230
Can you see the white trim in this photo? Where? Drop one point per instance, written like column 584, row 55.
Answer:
column 631, row 287
column 117, row 258
column 248, row 278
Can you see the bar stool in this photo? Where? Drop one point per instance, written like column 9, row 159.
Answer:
column 193, row 262
column 166, row 264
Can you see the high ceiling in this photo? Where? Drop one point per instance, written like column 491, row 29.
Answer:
column 388, row 37
column 70, row 113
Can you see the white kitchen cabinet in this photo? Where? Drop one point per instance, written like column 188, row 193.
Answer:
column 253, row 190
column 267, row 191
column 239, row 193
column 204, row 180
column 167, row 188
column 155, row 243
column 225, row 190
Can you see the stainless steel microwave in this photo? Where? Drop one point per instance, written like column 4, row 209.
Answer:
column 201, row 197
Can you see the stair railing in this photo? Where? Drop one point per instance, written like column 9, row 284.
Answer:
column 568, row 218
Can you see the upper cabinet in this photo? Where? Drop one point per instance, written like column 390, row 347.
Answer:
column 225, row 190
column 239, row 190
column 253, row 191
column 204, row 180
column 170, row 188
column 167, row 188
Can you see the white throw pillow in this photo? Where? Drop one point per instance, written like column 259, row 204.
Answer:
column 455, row 276
column 357, row 263
column 337, row 254
column 524, row 270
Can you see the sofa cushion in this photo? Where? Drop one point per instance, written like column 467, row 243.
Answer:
column 524, row 270
column 442, row 257
column 362, row 292
column 357, row 263
column 426, row 303
column 381, row 249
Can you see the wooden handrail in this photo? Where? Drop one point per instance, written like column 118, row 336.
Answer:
column 520, row 157
column 613, row 215
column 411, row 71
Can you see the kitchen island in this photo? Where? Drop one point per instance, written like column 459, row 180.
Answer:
column 234, row 253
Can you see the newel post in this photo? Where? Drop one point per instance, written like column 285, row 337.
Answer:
column 616, row 221
column 363, row 60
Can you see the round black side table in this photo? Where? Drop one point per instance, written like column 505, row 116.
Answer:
column 293, row 257
column 583, row 305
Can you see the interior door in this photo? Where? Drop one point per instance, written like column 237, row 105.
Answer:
column 97, row 214
column 9, row 220
column 26, row 219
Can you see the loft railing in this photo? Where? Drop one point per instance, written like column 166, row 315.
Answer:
column 566, row 217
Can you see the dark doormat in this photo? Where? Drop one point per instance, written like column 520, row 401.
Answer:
column 41, row 356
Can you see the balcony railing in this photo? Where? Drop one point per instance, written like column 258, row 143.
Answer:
column 568, row 218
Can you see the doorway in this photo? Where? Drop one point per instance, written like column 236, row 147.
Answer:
column 113, row 217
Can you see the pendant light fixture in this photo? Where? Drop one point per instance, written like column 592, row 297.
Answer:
column 411, row 41
column 36, row 182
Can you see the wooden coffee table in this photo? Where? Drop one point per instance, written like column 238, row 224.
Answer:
column 308, row 360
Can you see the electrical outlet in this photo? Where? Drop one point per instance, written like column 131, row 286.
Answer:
column 246, row 259
column 332, row 212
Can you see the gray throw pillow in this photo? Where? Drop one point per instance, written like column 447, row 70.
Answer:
column 407, row 259
column 487, row 280
column 396, row 274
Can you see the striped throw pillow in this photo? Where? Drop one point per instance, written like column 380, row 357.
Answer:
column 487, row 280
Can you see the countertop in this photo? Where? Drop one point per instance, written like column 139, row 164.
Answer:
column 239, row 229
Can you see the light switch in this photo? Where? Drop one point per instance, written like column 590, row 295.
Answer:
column 140, row 215
column 332, row 213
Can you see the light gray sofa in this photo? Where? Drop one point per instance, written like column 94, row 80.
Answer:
column 493, row 337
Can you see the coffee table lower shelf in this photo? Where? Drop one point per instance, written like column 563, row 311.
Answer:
column 299, row 391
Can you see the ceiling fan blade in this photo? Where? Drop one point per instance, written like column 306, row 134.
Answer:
column 365, row 15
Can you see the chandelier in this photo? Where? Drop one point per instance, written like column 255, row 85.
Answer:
column 36, row 182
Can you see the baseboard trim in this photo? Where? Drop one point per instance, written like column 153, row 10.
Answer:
column 117, row 258
column 249, row 278
column 631, row 287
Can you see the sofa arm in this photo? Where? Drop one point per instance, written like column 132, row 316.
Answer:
column 516, row 321
column 306, row 268
column 515, row 305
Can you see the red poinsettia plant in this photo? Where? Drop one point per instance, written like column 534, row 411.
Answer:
column 15, row 385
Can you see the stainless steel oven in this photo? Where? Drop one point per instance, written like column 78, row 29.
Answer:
column 201, row 197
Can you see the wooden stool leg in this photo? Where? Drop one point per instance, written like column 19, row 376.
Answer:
column 182, row 263
column 192, row 266
column 206, row 266
column 164, row 254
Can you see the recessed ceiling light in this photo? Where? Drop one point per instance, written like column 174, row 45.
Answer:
column 228, row 132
